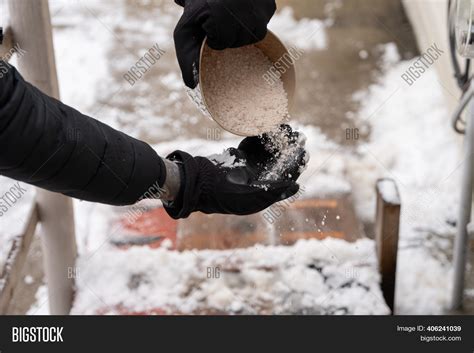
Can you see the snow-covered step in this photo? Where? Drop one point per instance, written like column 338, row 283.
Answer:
column 329, row 276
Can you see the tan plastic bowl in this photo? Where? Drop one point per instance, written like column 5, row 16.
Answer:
column 274, row 49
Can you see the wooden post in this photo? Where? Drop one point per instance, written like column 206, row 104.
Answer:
column 10, row 273
column 386, row 236
column 31, row 27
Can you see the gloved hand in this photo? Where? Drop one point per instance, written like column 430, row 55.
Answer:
column 276, row 155
column 240, row 181
column 226, row 23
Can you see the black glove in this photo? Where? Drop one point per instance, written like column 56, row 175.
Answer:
column 242, row 188
column 275, row 155
column 226, row 23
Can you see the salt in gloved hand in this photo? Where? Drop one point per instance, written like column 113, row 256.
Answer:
column 241, row 181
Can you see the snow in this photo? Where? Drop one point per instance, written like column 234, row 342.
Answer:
column 13, row 216
column 318, row 277
column 325, row 174
column 226, row 160
column 41, row 306
column 28, row 279
column 388, row 191
column 306, row 34
column 106, row 44
column 413, row 143
column 470, row 228
column 83, row 64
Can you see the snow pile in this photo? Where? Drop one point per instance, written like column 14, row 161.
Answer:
column 413, row 143
column 306, row 34
column 312, row 277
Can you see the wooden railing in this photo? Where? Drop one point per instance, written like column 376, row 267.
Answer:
column 387, row 223
column 31, row 30
column 13, row 266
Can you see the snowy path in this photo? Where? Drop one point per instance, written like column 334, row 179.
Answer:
column 312, row 277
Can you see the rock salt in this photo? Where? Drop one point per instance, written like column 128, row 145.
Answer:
column 288, row 154
column 236, row 93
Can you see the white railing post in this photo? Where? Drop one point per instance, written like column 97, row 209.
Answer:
column 31, row 26
column 461, row 245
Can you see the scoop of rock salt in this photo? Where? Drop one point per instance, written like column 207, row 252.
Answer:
column 237, row 94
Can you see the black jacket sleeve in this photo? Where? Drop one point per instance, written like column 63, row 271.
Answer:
column 48, row 144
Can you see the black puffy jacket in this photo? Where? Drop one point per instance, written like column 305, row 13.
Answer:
column 48, row 144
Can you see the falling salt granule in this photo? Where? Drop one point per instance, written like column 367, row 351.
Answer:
column 196, row 96
column 237, row 94
column 338, row 217
column 363, row 54
column 29, row 279
column 323, row 221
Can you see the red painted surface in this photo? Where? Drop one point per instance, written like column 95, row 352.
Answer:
column 155, row 222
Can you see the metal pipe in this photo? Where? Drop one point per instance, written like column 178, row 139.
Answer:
column 461, row 241
column 456, row 117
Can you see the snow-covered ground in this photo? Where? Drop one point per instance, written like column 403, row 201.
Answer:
column 411, row 141
column 319, row 277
